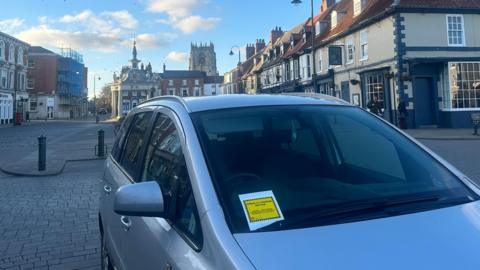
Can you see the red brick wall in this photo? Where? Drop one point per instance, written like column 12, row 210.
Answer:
column 44, row 73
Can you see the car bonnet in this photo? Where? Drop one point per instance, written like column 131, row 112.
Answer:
column 446, row 238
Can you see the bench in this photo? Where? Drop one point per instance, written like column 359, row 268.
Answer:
column 475, row 122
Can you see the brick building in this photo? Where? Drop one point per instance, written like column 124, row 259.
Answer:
column 56, row 84
column 184, row 83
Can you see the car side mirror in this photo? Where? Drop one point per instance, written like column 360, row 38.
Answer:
column 140, row 199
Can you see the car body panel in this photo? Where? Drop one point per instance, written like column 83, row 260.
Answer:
column 153, row 242
column 439, row 239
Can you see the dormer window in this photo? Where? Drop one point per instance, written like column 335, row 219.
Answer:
column 334, row 19
column 357, row 7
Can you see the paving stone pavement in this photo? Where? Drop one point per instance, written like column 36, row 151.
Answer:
column 51, row 222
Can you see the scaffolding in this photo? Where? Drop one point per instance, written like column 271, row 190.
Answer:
column 72, row 54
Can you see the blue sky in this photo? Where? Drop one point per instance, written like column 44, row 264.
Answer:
column 102, row 30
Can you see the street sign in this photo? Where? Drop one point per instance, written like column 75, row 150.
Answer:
column 335, row 56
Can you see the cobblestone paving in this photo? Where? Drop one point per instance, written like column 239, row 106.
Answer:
column 51, row 223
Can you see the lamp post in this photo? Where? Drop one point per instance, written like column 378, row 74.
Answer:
column 95, row 95
column 314, row 75
column 231, row 53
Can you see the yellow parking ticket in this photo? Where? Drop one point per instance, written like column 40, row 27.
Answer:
column 261, row 209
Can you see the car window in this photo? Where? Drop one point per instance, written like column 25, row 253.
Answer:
column 355, row 141
column 122, row 134
column 134, row 143
column 315, row 158
column 165, row 164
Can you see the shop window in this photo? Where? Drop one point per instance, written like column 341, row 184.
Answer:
column 463, row 91
column 456, row 34
column 375, row 88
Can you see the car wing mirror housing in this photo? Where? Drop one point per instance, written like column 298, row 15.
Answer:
column 140, row 199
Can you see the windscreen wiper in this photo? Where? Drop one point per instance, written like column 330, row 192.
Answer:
column 360, row 210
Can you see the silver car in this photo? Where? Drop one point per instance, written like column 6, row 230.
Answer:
column 280, row 182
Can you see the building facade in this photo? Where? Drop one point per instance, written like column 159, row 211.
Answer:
column 203, row 58
column 185, row 83
column 13, row 77
column 56, row 84
column 213, row 85
column 425, row 54
column 135, row 84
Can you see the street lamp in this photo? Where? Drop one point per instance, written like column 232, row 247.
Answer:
column 95, row 96
column 231, row 53
column 314, row 75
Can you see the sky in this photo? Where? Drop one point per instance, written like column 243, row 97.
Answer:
column 103, row 30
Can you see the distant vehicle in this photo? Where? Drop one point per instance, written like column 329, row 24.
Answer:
column 280, row 182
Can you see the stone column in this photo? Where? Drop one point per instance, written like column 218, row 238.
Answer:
column 120, row 103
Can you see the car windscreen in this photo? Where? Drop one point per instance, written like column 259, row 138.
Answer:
column 284, row 167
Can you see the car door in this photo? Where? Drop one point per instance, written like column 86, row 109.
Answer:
column 122, row 169
column 175, row 241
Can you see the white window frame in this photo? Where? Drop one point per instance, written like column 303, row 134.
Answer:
column 447, row 92
column 11, row 54
column 349, row 44
column 2, row 50
column 462, row 30
column 357, row 7
column 170, row 82
column 184, row 82
column 334, row 19
column 20, row 56
column 363, row 42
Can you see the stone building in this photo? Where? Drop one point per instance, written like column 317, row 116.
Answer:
column 203, row 58
column 13, row 74
column 134, row 84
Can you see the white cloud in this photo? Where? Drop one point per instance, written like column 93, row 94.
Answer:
column 11, row 26
column 180, row 14
column 177, row 56
column 123, row 17
column 50, row 37
column 149, row 41
column 174, row 8
column 192, row 24
column 80, row 17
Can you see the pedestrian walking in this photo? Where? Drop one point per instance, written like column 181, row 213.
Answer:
column 403, row 114
column 374, row 106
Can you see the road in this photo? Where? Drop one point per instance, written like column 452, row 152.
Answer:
column 463, row 154
column 51, row 222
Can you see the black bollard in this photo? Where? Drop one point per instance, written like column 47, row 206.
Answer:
column 42, row 153
column 101, row 143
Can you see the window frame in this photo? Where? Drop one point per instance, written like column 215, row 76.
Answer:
column 463, row 44
column 172, row 116
column 348, row 44
column 448, row 101
column 136, row 168
column 363, row 54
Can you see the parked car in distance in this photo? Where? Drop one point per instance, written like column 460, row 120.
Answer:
column 280, row 182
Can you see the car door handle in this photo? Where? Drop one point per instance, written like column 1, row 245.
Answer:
column 107, row 189
column 126, row 223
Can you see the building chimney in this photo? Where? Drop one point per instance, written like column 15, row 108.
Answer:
column 249, row 50
column 164, row 67
column 326, row 4
column 275, row 34
column 259, row 45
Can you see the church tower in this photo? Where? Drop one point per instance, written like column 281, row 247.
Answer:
column 203, row 58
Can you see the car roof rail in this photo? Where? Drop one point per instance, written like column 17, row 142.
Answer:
column 169, row 97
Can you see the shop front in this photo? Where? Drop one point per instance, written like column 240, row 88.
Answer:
column 445, row 94
column 375, row 88
column 6, row 109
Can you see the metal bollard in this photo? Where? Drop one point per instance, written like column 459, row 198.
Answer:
column 42, row 153
column 101, row 143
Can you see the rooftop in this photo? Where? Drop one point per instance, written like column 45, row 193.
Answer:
column 174, row 74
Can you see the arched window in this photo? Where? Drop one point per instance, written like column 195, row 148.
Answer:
column 2, row 50
column 20, row 56
column 11, row 54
